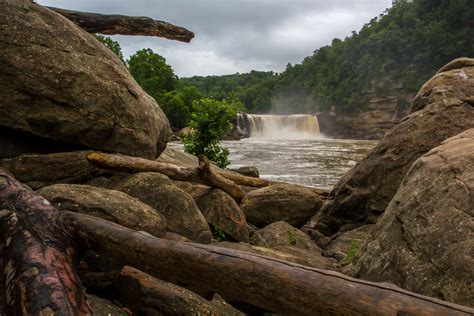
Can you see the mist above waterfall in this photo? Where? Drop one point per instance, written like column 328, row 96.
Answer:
column 297, row 126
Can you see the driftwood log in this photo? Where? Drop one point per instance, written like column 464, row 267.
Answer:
column 125, row 25
column 41, row 247
column 202, row 173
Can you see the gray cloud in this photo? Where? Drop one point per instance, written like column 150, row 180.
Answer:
column 238, row 35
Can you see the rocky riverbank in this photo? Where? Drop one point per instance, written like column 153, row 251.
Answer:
column 403, row 215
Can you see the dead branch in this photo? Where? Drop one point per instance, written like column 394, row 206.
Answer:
column 202, row 173
column 125, row 25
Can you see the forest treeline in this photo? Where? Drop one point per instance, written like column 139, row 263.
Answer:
column 403, row 46
column 406, row 44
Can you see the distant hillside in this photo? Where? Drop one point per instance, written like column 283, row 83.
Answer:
column 392, row 55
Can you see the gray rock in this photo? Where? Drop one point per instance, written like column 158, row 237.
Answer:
column 291, row 203
column 38, row 171
column 110, row 205
column 58, row 82
column 364, row 192
column 424, row 242
column 158, row 191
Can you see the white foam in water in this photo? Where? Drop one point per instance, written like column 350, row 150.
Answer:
column 286, row 127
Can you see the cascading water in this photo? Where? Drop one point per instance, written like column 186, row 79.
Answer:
column 298, row 126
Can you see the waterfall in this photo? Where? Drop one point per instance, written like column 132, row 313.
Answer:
column 298, row 126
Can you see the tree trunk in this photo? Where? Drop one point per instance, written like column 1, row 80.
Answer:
column 125, row 25
column 202, row 173
column 40, row 252
column 40, row 278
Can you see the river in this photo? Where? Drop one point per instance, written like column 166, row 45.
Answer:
column 310, row 162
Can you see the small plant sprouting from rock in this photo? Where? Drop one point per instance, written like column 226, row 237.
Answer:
column 292, row 238
column 350, row 256
column 219, row 234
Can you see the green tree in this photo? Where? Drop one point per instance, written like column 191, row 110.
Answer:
column 152, row 73
column 114, row 46
column 210, row 121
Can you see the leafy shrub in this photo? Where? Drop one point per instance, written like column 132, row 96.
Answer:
column 210, row 121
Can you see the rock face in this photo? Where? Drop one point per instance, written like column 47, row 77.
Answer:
column 425, row 240
column 158, row 191
column 281, row 202
column 58, row 82
column 383, row 113
column 221, row 211
column 110, row 205
column 365, row 191
column 38, row 171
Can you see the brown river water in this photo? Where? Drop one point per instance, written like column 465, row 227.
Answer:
column 311, row 162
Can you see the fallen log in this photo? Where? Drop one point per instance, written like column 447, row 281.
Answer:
column 35, row 228
column 136, row 164
column 125, row 25
column 38, row 256
column 202, row 173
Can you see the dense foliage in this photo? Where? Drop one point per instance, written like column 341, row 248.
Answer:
column 404, row 46
column 114, row 46
column 158, row 79
column 210, row 121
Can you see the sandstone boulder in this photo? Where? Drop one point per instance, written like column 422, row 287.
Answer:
column 454, row 80
column 283, row 234
column 291, row 203
column 346, row 245
column 222, row 212
column 58, row 82
column 424, row 242
column 364, row 192
column 110, row 205
column 158, row 191
column 194, row 189
column 38, row 171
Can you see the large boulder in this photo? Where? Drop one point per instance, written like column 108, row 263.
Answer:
column 291, row 203
column 110, row 205
column 222, row 212
column 424, row 242
column 182, row 214
column 58, row 82
column 364, row 192
column 454, row 80
column 38, row 171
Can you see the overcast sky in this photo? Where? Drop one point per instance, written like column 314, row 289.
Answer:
column 238, row 35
